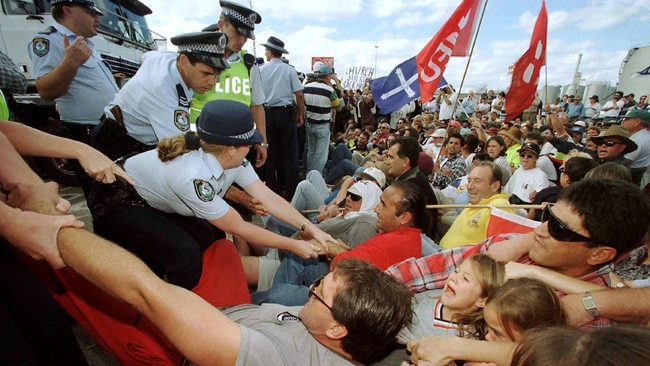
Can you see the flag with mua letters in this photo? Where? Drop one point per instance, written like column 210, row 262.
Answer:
column 525, row 73
column 421, row 76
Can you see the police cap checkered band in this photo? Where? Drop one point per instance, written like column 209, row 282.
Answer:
column 248, row 21
column 203, row 47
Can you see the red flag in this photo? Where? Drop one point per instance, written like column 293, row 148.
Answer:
column 525, row 75
column 450, row 40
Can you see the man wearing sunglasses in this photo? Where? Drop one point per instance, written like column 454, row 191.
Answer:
column 528, row 179
column 579, row 237
column 613, row 144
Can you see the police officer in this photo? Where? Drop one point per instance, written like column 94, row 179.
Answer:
column 281, row 86
column 154, row 104
column 178, row 210
column 242, row 81
column 69, row 70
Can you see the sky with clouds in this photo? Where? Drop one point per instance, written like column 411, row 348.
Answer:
column 387, row 32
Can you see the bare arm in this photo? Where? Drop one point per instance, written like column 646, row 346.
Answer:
column 232, row 223
column 300, row 108
column 511, row 250
column 283, row 210
column 57, row 82
column 438, row 350
column 260, row 124
column 32, row 142
column 205, row 337
column 558, row 281
column 619, row 304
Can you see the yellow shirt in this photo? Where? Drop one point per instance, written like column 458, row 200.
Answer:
column 470, row 226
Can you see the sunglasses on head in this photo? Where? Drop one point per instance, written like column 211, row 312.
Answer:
column 312, row 293
column 527, row 155
column 609, row 143
column 559, row 230
column 354, row 197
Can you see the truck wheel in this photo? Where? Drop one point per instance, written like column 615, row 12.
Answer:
column 59, row 170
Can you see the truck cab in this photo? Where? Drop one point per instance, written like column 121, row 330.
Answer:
column 123, row 37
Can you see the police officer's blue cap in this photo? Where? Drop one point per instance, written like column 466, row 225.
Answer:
column 208, row 47
column 90, row 4
column 241, row 17
column 227, row 123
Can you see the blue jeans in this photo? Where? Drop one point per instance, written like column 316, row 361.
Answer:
column 318, row 139
column 292, row 280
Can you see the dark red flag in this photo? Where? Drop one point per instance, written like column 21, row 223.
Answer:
column 525, row 75
column 452, row 39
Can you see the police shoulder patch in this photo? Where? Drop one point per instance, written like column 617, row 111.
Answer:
column 182, row 120
column 204, row 190
column 40, row 46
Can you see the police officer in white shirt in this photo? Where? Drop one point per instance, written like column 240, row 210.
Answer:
column 154, row 104
column 179, row 208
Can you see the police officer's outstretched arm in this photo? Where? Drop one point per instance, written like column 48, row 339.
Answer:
column 31, row 142
column 57, row 82
column 280, row 208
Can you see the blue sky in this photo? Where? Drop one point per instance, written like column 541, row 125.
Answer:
column 602, row 30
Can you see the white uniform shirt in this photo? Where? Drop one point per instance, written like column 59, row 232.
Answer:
column 155, row 102
column 192, row 184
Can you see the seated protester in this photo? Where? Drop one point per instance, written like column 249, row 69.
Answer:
column 355, row 224
column 457, row 308
column 434, row 143
column 452, row 166
column 176, row 210
column 512, row 137
column 528, row 180
column 613, row 144
column 361, row 148
column 496, row 148
column 543, row 162
column 600, row 230
column 484, row 187
column 312, row 194
column 574, row 168
column 403, row 159
column 510, row 311
column 401, row 217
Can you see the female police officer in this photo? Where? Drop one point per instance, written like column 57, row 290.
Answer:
column 179, row 191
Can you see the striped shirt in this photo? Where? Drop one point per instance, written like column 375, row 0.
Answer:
column 320, row 98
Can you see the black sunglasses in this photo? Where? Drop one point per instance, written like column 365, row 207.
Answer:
column 529, row 156
column 354, row 197
column 559, row 230
column 610, row 143
column 312, row 293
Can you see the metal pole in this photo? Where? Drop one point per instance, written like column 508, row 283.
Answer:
column 376, row 50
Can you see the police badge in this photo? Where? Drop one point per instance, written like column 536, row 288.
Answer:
column 40, row 46
column 182, row 120
column 204, row 190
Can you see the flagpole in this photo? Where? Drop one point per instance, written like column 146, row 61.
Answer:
column 462, row 81
column 471, row 52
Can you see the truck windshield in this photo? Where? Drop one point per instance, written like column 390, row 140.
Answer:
column 123, row 19
column 123, row 23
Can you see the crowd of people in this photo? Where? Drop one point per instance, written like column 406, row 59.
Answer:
column 382, row 254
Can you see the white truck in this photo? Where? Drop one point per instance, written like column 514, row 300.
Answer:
column 123, row 38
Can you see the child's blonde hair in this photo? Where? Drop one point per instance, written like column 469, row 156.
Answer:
column 522, row 304
column 490, row 275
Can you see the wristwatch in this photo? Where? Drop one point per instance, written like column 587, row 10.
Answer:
column 590, row 305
